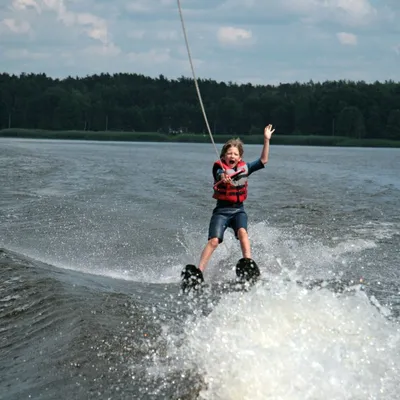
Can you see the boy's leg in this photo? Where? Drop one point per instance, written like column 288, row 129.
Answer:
column 239, row 225
column 217, row 227
column 244, row 242
column 206, row 254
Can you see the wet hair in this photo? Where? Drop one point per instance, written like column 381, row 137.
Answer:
column 232, row 143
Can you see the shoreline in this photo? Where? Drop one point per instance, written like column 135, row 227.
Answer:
column 292, row 140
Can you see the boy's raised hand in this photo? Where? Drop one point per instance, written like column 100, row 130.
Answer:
column 268, row 131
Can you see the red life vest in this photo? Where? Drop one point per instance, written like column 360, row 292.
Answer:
column 236, row 192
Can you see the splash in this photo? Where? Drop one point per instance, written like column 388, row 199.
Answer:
column 282, row 341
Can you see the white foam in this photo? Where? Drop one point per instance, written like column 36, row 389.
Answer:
column 280, row 341
column 379, row 230
column 275, row 250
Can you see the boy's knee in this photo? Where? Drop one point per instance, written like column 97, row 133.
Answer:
column 214, row 242
column 242, row 233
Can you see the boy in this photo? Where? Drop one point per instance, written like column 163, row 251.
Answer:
column 230, row 190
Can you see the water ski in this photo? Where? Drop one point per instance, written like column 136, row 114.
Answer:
column 191, row 278
column 247, row 270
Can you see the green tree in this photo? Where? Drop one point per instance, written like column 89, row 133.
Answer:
column 393, row 125
column 229, row 113
column 302, row 114
column 351, row 123
column 373, row 122
column 134, row 101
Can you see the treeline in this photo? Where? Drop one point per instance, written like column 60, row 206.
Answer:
column 132, row 102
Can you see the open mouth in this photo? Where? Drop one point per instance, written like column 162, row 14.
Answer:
column 231, row 162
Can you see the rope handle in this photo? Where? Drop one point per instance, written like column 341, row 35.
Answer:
column 230, row 176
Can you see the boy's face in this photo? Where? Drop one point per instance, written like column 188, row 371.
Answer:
column 232, row 157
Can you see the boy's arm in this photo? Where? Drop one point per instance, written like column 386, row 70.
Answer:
column 268, row 131
column 217, row 172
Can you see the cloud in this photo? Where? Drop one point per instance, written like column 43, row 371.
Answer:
column 149, row 6
column 229, row 35
column 341, row 12
column 139, row 7
column 355, row 8
column 24, row 54
column 25, row 4
column 153, row 56
column 167, row 35
column 15, row 26
column 136, row 34
column 103, row 51
column 347, row 38
column 230, row 40
column 95, row 27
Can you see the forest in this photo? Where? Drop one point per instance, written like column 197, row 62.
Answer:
column 127, row 102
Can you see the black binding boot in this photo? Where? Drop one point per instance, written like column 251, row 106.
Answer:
column 191, row 277
column 247, row 270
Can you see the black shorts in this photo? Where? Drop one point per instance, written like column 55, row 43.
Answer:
column 226, row 217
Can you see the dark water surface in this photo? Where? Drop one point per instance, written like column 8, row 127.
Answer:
column 93, row 237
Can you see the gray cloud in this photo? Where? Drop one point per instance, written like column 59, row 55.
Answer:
column 238, row 40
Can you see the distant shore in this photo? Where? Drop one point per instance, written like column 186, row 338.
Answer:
column 294, row 140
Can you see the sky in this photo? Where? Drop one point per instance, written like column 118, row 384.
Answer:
column 241, row 41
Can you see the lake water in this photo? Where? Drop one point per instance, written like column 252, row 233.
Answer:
column 93, row 237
